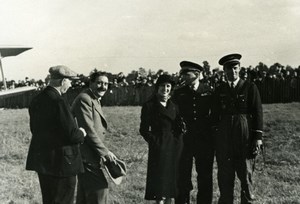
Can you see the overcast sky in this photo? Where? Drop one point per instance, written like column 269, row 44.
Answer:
column 123, row 35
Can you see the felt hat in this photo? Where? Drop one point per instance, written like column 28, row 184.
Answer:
column 116, row 170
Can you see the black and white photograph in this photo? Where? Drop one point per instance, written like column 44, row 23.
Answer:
column 150, row 102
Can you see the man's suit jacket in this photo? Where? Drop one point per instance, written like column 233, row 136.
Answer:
column 88, row 112
column 54, row 148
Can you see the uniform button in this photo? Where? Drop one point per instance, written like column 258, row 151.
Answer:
column 194, row 111
column 194, row 105
column 194, row 97
column 195, row 118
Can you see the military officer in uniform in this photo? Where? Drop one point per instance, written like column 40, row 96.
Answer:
column 194, row 100
column 238, row 120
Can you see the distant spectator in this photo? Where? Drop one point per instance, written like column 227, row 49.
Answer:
column 114, row 83
column 144, row 82
column 123, row 82
column 149, row 81
column 120, row 77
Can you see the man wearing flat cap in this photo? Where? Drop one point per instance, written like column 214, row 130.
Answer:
column 194, row 100
column 54, row 148
column 238, row 120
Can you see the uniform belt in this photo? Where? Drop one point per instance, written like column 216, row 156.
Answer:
column 234, row 116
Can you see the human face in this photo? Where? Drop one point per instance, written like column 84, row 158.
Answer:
column 65, row 85
column 99, row 86
column 164, row 89
column 190, row 78
column 232, row 71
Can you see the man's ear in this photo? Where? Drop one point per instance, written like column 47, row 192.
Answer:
column 62, row 81
column 197, row 74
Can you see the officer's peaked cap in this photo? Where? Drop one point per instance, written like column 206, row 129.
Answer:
column 230, row 59
column 190, row 66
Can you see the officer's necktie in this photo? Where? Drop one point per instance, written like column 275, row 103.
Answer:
column 232, row 87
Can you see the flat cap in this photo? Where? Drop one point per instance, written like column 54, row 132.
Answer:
column 190, row 66
column 61, row 71
column 231, row 59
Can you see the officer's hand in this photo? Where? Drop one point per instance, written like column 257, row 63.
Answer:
column 83, row 131
column 257, row 147
column 110, row 156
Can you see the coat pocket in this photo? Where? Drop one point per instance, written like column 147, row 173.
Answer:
column 70, row 154
column 71, row 163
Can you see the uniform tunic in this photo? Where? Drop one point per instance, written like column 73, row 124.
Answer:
column 195, row 107
column 159, row 130
column 238, row 117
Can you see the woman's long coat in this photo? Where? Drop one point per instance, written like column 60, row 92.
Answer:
column 158, row 128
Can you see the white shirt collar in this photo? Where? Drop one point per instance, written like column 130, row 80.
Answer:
column 235, row 82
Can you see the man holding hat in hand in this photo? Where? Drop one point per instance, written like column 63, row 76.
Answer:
column 92, row 184
column 194, row 100
column 238, row 121
column 54, row 149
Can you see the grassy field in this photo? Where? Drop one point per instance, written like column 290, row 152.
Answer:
column 278, row 181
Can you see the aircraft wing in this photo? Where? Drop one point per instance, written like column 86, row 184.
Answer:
column 11, row 51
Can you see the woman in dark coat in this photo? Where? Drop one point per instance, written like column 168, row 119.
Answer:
column 161, row 128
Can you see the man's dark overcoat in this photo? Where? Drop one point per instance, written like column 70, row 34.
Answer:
column 54, row 146
column 158, row 128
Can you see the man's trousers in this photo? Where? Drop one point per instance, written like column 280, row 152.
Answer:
column 57, row 190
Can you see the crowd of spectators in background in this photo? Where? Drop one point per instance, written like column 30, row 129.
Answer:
column 286, row 76
column 212, row 78
column 12, row 84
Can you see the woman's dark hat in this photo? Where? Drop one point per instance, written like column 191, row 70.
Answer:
column 165, row 78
